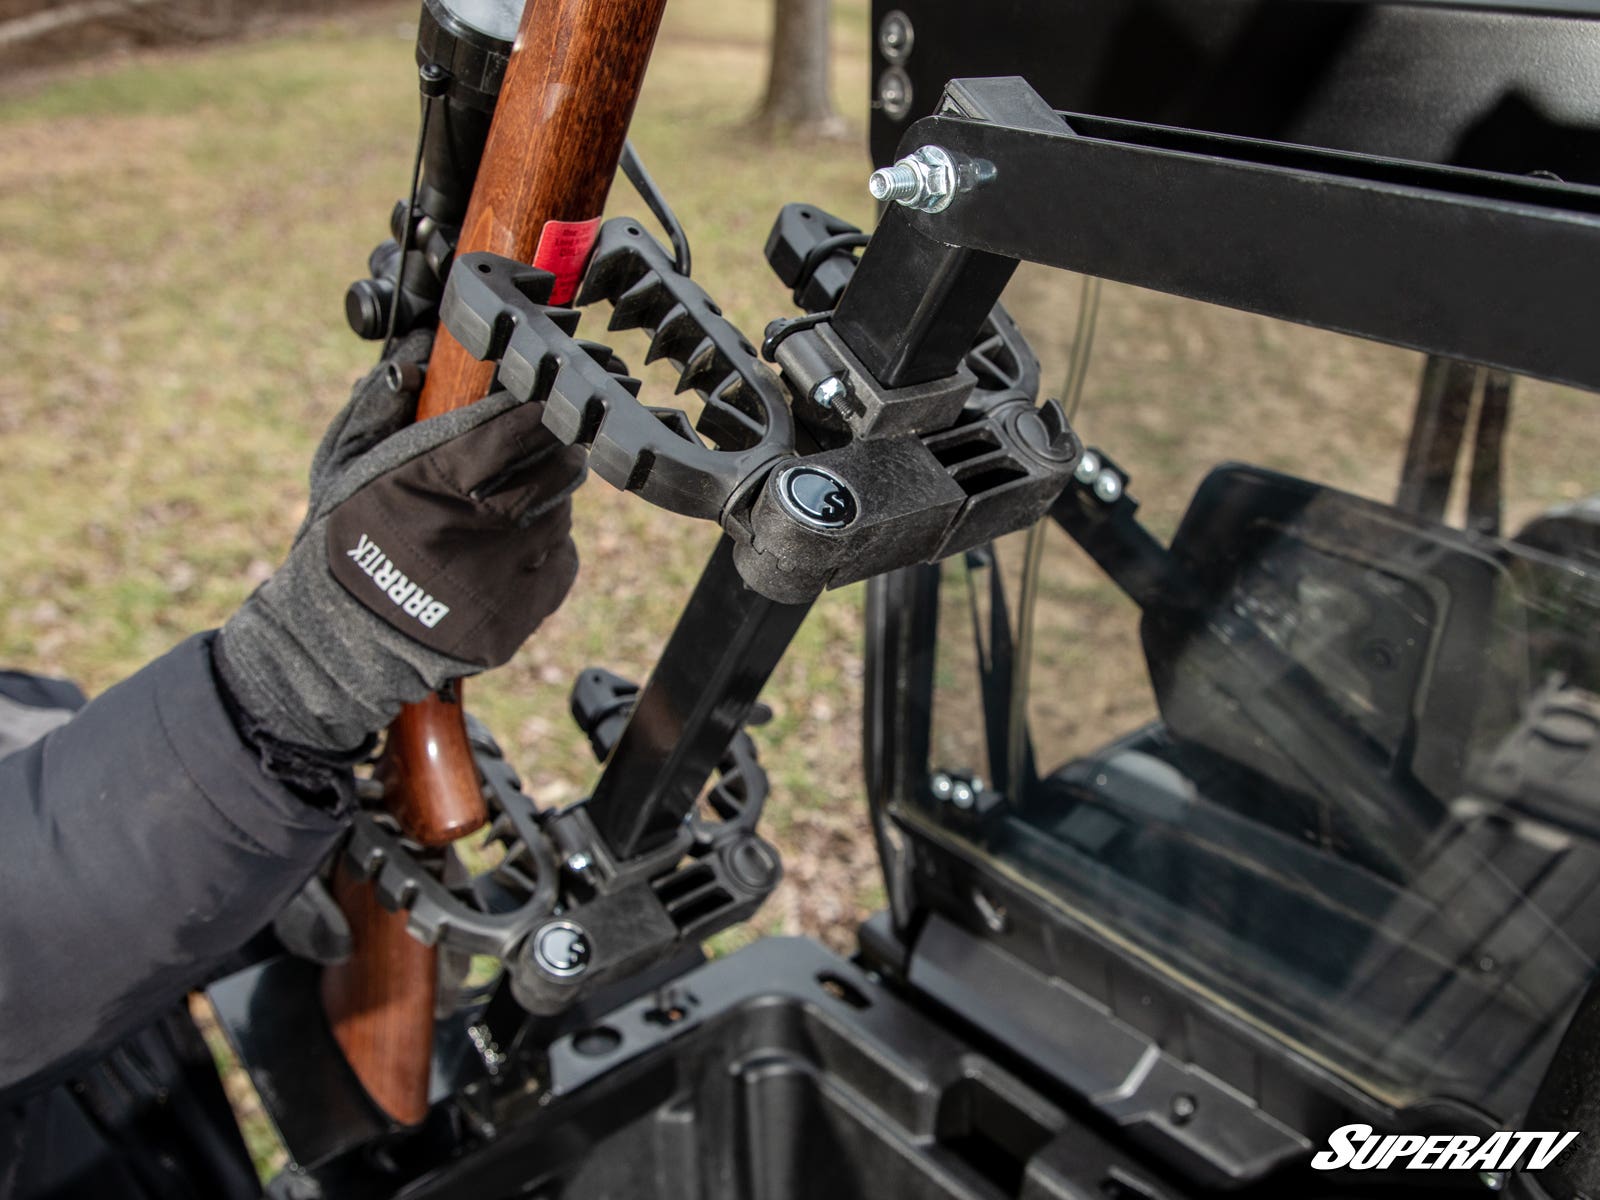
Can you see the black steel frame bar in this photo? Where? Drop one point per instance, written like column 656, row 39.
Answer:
column 1471, row 265
column 719, row 657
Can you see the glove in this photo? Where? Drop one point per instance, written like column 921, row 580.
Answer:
column 429, row 552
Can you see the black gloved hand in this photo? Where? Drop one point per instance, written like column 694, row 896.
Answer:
column 429, row 552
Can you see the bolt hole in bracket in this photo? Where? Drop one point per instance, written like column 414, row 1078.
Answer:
column 595, row 1042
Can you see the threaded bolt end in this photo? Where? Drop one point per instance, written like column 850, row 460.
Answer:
column 898, row 183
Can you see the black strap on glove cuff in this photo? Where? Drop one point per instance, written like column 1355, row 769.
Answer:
column 324, row 779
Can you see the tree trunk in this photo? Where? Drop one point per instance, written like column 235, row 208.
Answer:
column 799, row 78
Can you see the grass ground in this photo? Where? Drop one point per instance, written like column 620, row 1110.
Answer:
column 176, row 232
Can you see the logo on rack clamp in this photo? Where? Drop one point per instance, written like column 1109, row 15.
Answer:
column 562, row 949
column 816, row 497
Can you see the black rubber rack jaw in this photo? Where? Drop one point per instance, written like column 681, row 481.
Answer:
column 888, row 477
column 496, row 308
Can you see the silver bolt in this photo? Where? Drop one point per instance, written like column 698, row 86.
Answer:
column 895, row 36
column 942, row 785
column 578, row 862
column 1493, row 1180
column 961, row 795
column 898, row 183
column 894, row 93
column 924, row 180
column 1088, row 467
column 1108, row 487
column 829, row 392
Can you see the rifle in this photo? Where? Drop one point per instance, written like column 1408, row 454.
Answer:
column 552, row 148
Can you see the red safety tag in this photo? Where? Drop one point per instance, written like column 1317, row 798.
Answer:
column 564, row 251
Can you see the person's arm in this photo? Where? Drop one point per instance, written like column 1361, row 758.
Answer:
column 174, row 816
column 140, row 844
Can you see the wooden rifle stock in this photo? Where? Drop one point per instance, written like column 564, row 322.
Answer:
column 559, row 124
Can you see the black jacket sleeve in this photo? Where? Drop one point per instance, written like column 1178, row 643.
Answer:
column 140, row 844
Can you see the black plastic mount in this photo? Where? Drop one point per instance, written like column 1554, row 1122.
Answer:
column 495, row 308
column 812, row 252
column 563, row 912
column 820, row 477
column 493, row 913
column 903, row 475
